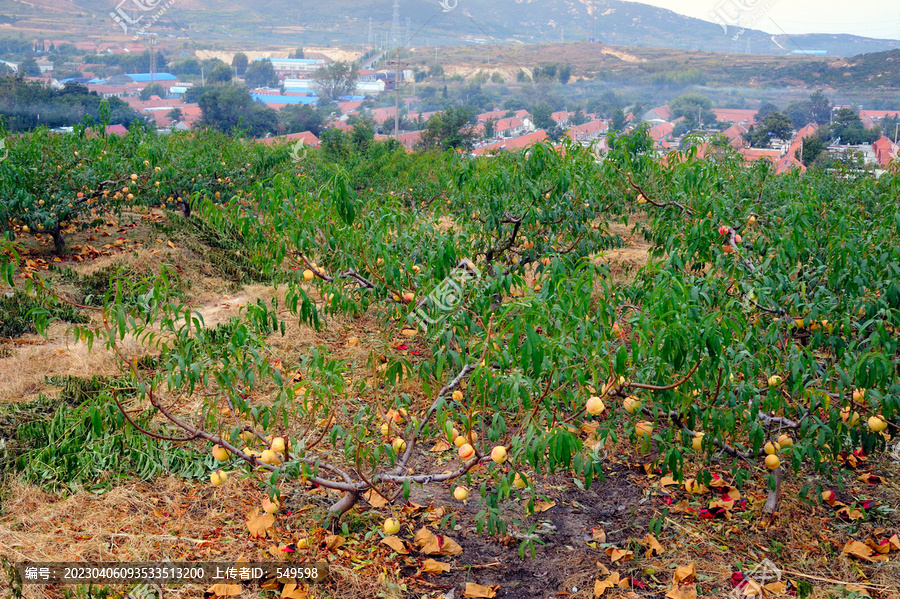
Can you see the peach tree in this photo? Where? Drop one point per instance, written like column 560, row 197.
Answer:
column 765, row 325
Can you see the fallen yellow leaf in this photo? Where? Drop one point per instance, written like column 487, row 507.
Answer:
column 476, row 590
column 374, row 499
column 432, row 544
column 613, row 580
column 294, row 591
column 430, row 566
column 619, row 554
column 684, row 574
column 688, row 591
column 861, row 550
column 259, row 524
column 333, row 542
column 776, row 588
column 224, row 590
column 653, row 546
column 396, row 544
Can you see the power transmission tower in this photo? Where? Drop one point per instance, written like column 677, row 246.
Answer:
column 370, row 39
column 395, row 25
column 152, row 57
column 398, row 74
column 406, row 39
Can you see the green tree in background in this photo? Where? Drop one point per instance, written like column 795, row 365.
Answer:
column 261, row 73
column 540, row 115
column 229, row 107
column 154, row 89
column 695, row 108
column 240, row 62
column 298, row 118
column 336, row 79
column 222, row 73
column 618, row 119
column 29, row 68
column 449, row 129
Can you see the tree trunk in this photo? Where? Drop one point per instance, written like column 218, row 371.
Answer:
column 186, row 207
column 343, row 505
column 58, row 242
column 773, row 499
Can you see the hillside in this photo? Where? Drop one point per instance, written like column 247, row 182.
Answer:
column 345, row 22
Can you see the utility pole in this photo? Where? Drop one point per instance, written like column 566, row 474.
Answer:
column 152, row 57
column 397, row 98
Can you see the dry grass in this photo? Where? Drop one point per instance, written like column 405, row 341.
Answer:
column 22, row 374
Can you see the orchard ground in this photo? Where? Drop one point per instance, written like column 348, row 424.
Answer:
column 580, row 536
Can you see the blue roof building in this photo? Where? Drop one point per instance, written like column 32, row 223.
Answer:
column 286, row 100
column 146, row 77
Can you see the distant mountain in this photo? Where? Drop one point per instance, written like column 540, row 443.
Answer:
column 436, row 22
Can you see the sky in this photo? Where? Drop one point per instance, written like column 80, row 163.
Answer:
column 869, row 18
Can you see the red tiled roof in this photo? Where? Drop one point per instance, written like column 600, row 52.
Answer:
column 754, row 154
column 560, row 116
column 735, row 115
column 663, row 111
column 807, row 131
column 383, row 114
column 507, row 124
column 306, row 137
column 662, row 131
column 425, row 116
column 735, row 131
column 513, row 144
column 585, row 130
column 106, row 89
column 885, row 150
column 878, row 114
column 346, row 107
column 788, row 162
column 407, row 140
column 493, row 114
